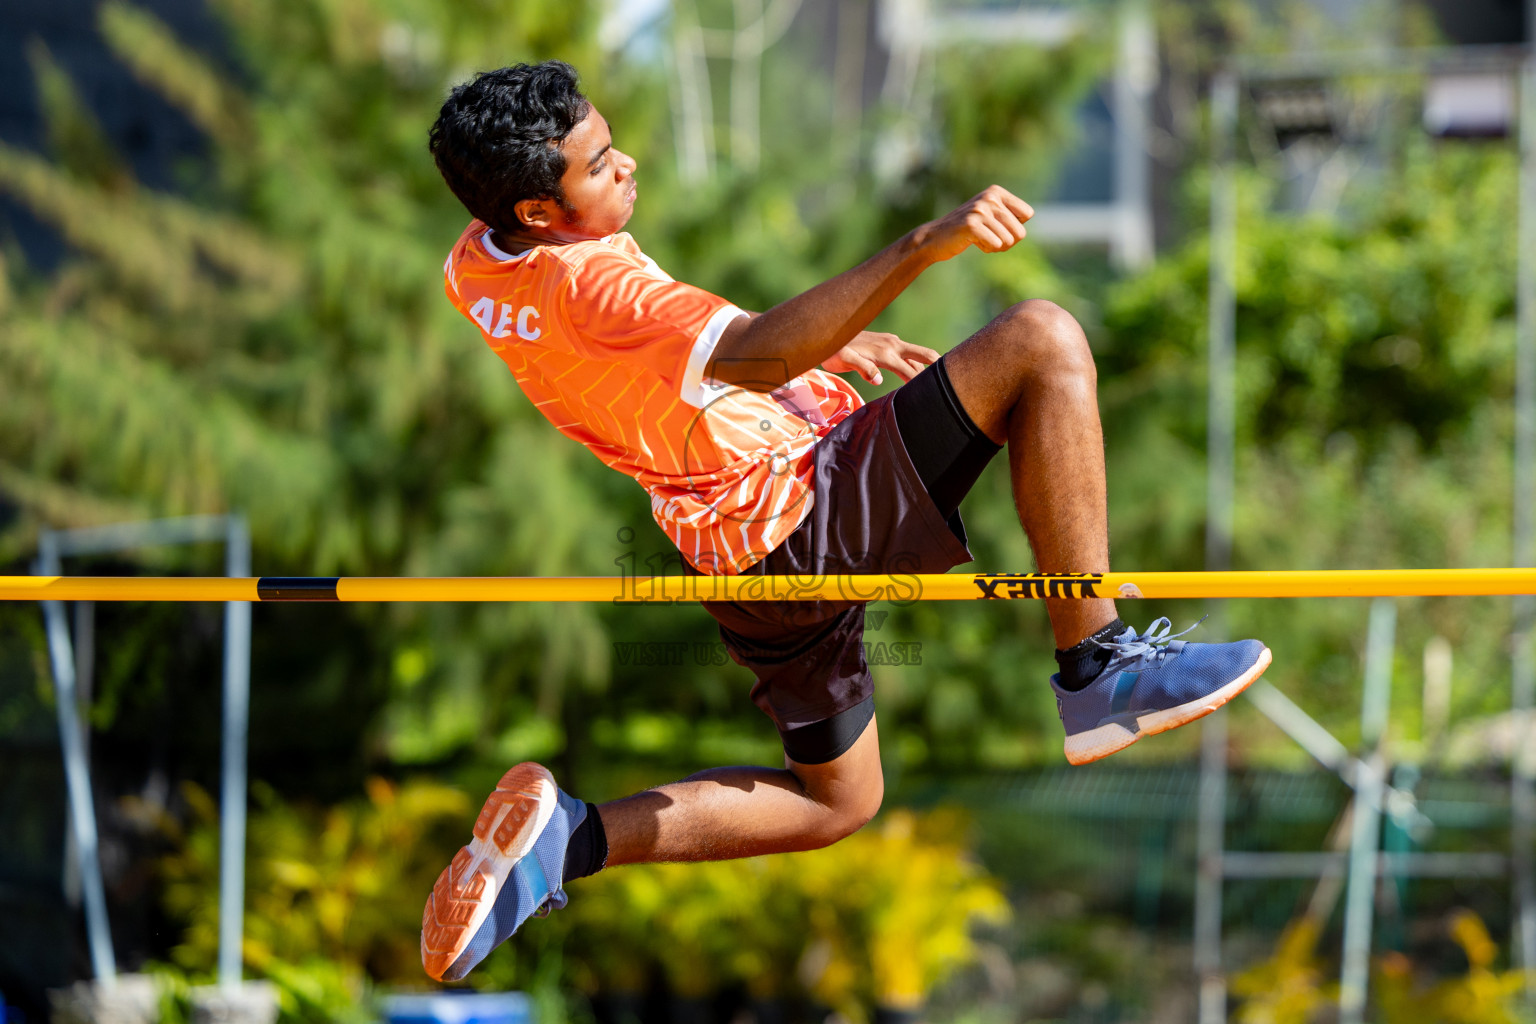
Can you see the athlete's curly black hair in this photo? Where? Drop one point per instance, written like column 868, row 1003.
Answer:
column 497, row 138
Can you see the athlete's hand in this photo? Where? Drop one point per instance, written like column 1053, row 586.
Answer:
column 993, row 221
column 870, row 352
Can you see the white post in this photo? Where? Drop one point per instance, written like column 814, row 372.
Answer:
column 1523, row 660
column 77, row 775
column 1135, row 78
column 1365, row 838
column 747, row 48
column 1218, row 546
column 1210, row 869
column 237, row 702
column 692, row 109
column 1222, row 356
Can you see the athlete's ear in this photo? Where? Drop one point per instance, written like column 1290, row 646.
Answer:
column 534, row 213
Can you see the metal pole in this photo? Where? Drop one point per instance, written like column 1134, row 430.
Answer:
column 1135, row 78
column 85, row 659
column 237, row 702
column 1220, row 444
column 100, row 540
column 1211, row 836
column 1365, row 837
column 1221, row 425
column 77, row 775
column 1523, row 666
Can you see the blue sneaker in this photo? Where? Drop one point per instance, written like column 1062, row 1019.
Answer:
column 508, row 873
column 1153, row 682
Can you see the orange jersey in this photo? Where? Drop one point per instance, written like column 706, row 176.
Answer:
column 612, row 350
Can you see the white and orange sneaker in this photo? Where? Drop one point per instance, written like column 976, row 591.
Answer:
column 510, row 871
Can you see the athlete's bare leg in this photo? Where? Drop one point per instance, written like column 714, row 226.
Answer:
column 743, row 812
column 1027, row 380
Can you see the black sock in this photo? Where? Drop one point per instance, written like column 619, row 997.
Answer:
column 587, row 851
column 1087, row 659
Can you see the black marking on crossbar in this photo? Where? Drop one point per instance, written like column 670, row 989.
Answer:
column 1007, row 585
column 297, row 588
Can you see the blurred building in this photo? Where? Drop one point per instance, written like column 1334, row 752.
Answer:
column 1103, row 192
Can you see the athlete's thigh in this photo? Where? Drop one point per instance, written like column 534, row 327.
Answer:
column 946, row 447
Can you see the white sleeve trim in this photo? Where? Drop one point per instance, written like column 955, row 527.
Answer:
column 694, row 390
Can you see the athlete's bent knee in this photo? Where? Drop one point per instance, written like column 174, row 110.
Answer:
column 1048, row 343
column 850, row 811
column 860, row 807
column 848, row 791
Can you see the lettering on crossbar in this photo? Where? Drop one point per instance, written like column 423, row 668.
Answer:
column 1012, row 585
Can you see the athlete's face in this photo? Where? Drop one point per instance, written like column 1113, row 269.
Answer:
column 599, row 186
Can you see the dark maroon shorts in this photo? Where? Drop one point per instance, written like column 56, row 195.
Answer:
column 887, row 484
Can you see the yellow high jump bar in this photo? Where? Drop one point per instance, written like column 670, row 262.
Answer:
column 900, row 587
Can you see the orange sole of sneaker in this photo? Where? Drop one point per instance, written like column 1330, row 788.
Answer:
column 462, row 897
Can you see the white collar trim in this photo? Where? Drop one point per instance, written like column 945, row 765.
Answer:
column 496, row 251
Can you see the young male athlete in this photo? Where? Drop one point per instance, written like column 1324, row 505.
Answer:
column 758, row 459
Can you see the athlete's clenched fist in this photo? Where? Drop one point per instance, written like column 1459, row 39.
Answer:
column 992, row 221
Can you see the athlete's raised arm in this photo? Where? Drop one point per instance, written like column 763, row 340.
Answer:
column 764, row 351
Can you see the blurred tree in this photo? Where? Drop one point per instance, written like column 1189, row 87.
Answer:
column 342, row 884
column 273, row 339
column 1375, row 378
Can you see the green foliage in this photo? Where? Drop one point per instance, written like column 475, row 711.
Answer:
column 317, row 991
column 1289, row 987
column 879, row 919
column 334, row 896
column 341, row 887
column 273, row 339
column 73, row 134
column 1003, row 119
column 1483, row 995
column 1374, row 383
column 912, row 899
column 1393, row 315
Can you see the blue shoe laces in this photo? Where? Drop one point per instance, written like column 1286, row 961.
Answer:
column 1151, row 644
